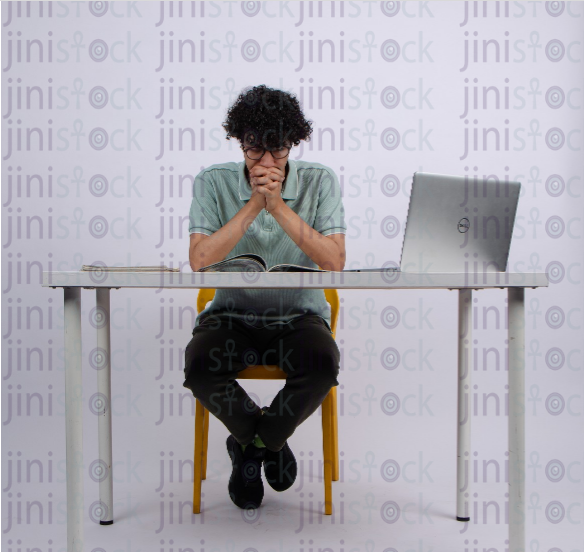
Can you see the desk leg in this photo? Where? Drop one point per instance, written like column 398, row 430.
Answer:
column 464, row 410
column 516, row 420
column 102, row 362
column 74, row 419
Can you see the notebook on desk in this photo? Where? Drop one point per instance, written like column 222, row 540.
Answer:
column 456, row 224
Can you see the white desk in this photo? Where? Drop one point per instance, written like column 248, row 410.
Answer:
column 72, row 282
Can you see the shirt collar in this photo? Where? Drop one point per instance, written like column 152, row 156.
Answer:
column 290, row 189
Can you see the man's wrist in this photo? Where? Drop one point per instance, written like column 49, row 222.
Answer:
column 254, row 207
column 278, row 208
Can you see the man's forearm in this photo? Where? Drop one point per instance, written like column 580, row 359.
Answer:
column 221, row 242
column 323, row 251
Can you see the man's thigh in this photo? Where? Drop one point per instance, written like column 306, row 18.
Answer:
column 305, row 345
column 220, row 348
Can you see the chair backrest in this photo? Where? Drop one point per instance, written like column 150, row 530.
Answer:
column 331, row 295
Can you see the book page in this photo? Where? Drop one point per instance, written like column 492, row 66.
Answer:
column 248, row 262
column 294, row 268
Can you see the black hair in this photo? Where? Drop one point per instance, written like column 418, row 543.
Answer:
column 267, row 117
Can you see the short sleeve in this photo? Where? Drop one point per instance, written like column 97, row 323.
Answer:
column 204, row 216
column 330, row 212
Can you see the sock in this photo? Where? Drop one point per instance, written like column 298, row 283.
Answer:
column 256, row 441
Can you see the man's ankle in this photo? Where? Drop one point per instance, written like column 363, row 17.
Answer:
column 257, row 441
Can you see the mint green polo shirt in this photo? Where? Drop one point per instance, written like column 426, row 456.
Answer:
column 312, row 191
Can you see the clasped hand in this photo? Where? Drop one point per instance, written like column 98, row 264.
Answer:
column 266, row 186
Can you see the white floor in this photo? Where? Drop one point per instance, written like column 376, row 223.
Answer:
column 155, row 515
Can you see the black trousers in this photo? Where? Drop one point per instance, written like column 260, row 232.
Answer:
column 222, row 346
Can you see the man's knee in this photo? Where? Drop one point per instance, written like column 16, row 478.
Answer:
column 202, row 367
column 326, row 367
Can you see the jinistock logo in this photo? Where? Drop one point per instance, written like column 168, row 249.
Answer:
column 97, row 97
column 121, row 51
column 463, row 225
column 517, row 10
column 497, row 50
column 348, row 11
column 65, row 10
column 96, row 138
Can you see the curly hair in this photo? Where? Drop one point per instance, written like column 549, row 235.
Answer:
column 267, row 117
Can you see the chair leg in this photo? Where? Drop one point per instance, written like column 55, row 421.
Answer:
column 205, row 444
column 335, row 433
column 327, row 453
column 198, row 459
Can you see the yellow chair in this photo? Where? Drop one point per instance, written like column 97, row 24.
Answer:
column 329, row 415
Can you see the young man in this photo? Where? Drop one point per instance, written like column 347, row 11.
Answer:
column 288, row 212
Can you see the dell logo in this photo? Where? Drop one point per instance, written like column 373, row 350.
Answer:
column 463, row 225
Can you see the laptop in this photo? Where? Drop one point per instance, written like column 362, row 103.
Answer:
column 456, row 224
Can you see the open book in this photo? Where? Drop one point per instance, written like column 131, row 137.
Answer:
column 250, row 262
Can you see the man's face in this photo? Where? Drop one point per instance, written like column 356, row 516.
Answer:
column 268, row 160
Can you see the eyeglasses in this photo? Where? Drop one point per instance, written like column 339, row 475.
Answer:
column 257, row 153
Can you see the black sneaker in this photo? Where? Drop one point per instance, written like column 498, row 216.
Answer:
column 246, row 488
column 280, row 467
